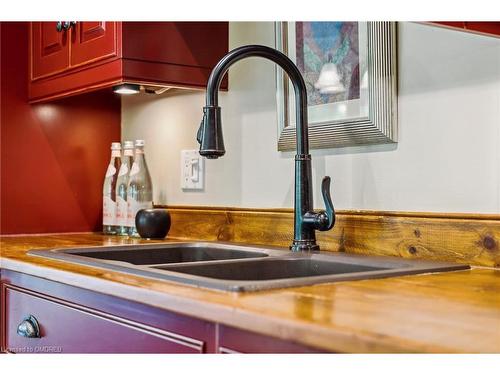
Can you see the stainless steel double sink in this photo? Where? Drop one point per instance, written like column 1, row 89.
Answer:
column 240, row 268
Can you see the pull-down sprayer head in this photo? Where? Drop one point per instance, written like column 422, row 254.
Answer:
column 210, row 133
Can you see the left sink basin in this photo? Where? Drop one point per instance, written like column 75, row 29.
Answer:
column 154, row 254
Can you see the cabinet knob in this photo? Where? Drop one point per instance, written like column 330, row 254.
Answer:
column 66, row 25
column 29, row 328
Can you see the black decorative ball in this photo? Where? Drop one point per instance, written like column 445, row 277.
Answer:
column 152, row 222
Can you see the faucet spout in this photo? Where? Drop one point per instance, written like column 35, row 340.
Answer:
column 212, row 143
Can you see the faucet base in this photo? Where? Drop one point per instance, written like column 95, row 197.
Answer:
column 304, row 245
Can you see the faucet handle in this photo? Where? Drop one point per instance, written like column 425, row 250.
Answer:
column 328, row 217
column 322, row 220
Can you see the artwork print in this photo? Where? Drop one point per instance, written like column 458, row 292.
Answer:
column 319, row 43
column 350, row 73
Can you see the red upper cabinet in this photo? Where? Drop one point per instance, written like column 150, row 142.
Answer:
column 454, row 24
column 86, row 56
column 483, row 28
column 490, row 28
column 179, row 54
column 49, row 49
column 92, row 41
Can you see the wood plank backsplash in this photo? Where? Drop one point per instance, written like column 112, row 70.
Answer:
column 463, row 238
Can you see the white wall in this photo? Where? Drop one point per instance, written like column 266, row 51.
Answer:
column 447, row 158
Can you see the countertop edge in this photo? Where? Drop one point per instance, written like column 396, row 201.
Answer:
column 326, row 338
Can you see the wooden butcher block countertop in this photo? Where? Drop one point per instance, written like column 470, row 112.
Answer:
column 445, row 312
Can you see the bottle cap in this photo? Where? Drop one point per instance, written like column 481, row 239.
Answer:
column 128, row 145
column 116, row 146
column 139, row 143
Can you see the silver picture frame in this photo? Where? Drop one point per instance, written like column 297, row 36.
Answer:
column 378, row 123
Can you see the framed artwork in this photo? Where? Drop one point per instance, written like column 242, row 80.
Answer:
column 350, row 72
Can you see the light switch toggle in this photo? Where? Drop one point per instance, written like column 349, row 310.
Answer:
column 195, row 170
column 192, row 170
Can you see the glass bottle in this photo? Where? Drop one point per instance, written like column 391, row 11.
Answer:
column 108, row 191
column 140, row 189
column 121, row 188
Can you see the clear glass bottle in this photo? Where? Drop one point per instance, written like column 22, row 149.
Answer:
column 121, row 188
column 109, row 191
column 140, row 189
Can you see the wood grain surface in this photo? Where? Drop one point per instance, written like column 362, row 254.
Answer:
column 463, row 238
column 437, row 313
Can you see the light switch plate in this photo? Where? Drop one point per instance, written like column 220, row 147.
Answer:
column 192, row 170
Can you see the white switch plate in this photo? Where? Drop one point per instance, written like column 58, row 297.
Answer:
column 192, row 170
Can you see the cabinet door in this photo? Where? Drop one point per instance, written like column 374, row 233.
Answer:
column 92, row 41
column 49, row 49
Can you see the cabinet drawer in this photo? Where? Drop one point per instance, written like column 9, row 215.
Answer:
column 70, row 328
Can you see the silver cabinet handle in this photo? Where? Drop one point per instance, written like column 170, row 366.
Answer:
column 66, row 25
column 29, row 328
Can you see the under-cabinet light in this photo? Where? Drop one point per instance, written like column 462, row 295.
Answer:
column 127, row 89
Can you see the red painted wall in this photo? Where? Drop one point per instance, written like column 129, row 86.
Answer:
column 53, row 156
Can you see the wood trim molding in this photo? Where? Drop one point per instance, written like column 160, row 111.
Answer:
column 445, row 215
column 464, row 238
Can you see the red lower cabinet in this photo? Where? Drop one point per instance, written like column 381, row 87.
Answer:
column 74, row 320
column 41, row 316
column 233, row 341
column 69, row 328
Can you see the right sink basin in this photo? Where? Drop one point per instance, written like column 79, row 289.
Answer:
column 295, row 269
column 272, row 269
